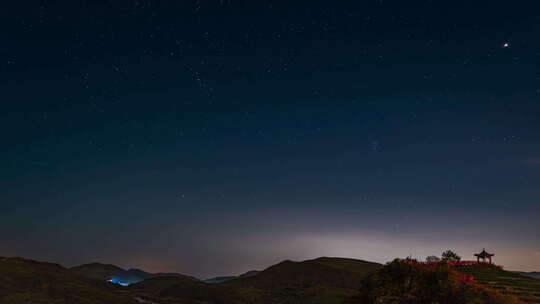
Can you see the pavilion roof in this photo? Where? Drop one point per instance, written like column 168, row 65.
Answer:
column 484, row 254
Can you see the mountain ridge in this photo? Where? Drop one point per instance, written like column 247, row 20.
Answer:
column 115, row 274
column 311, row 281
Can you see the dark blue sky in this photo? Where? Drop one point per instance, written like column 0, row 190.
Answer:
column 214, row 137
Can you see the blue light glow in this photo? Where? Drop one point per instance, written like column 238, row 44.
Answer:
column 116, row 280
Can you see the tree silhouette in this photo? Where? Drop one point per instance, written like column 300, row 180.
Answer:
column 433, row 259
column 450, row 256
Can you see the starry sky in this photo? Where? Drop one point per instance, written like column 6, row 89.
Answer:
column 212, row 137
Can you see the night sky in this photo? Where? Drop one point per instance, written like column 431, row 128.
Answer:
column 213, row 137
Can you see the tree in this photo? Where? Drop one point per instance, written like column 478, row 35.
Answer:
column 433, row 259
column 450, row 256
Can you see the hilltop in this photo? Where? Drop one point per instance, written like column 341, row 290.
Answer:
column 97, row 271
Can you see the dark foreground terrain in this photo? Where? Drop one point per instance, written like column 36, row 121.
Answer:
column 27, row 281
column 322, row 280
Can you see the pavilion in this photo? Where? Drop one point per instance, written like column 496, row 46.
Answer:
column 483, row 255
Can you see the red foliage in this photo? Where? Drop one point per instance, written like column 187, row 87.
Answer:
column 416, row 282
column 464, row 277
column 461, row 263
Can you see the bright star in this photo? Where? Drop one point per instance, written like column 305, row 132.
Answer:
column 506, row 45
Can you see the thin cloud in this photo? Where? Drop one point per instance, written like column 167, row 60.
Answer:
column 534, row 161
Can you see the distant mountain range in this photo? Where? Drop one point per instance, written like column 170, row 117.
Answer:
column 115, row 274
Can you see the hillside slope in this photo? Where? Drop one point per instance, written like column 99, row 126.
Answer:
column 322, row 280
column 97, row 271
column 27, row 281
column 220, row 279
column 532, row 274
column 525, row 288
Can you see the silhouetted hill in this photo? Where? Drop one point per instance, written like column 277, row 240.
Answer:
column 97, row 271
column 328, row 271
column 323, row 280
column 105, row 272
column 27, row 281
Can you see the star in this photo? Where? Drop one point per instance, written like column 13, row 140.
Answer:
column 506, row 45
